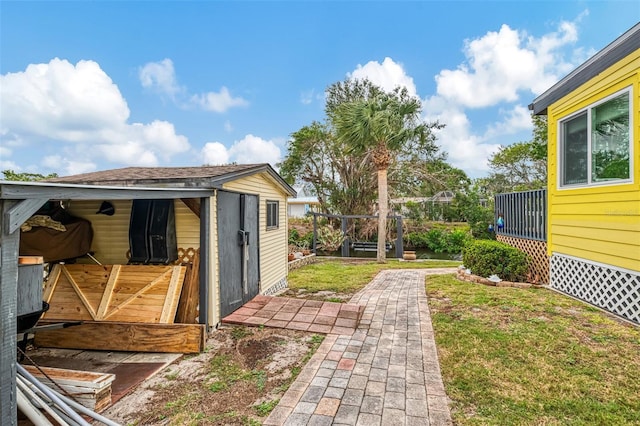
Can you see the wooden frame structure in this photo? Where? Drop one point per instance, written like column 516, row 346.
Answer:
column 18, row 201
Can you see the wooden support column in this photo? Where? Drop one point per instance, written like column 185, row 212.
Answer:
column 12, row 215
column 9, row 243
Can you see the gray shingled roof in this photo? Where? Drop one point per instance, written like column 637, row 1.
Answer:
column 203, row 176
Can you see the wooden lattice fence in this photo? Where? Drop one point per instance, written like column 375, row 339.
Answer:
column 537, row 251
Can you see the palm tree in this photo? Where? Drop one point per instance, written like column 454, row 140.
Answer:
column 380, row 124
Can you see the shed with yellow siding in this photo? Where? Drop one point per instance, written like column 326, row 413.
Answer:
column 594, row 178
column 239, row 190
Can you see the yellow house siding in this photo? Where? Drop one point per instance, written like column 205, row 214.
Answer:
column 598, row 223
column 273, row 243
column 110, row 233
column 187, row 226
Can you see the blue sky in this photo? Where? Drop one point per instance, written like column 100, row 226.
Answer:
column 90, row 86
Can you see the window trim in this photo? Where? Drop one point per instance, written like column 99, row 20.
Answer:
column 559, row 142
column 277, row 214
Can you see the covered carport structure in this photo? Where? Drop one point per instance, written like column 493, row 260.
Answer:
column 20, row 200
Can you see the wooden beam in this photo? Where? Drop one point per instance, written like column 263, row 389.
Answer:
column 56, row 191
column 108, row 291
column 170, row 306
column 193, row 204
column 22, row 211
column 8, row 308
column 79, row 292
column 124, row 336
column 189, row 299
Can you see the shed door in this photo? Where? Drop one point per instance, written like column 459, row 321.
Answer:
column 238, row 249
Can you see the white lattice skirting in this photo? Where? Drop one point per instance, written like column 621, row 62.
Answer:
column 280, row 285
column 607, row 287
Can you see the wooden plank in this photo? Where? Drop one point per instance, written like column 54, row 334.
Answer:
column 108, row 291
column 121, row 336
column 20, row 212
column 81, row 295
column 138, row 293
column 193, row 204
column 52, row 281
column 173, row 296
column 189, row 299
column 76, row 378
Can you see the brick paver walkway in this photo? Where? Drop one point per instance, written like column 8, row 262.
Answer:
column 386, row 373
column 297, row 314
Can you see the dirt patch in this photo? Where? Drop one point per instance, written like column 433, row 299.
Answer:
column 238, row 380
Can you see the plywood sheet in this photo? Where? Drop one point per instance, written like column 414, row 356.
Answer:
column 115, row 293
column 135, row 337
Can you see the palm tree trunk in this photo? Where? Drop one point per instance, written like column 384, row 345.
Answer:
column 383, row 208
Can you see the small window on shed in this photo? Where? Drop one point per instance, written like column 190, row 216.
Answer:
column 273, row 208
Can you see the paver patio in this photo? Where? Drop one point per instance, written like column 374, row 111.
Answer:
column 296, row 314
column 385, row 373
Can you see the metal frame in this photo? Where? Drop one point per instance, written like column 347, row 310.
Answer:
column 524, row 213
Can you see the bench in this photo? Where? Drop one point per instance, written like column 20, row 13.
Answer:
column 368, row 246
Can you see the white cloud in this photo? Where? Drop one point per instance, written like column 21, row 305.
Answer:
column 515, row 120
column 253, row 149
column 58, row 102
column 228, row 127
column 218, row 101
column 503, row 71
column 160, row 76
column 249, row 150
column 67, row 166
column 388, row 75
column 501, row 64
column 215, row 153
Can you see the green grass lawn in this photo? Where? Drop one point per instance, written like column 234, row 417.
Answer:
column 349, row 276
column 533, row 357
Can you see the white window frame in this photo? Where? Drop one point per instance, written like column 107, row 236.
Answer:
column 277, row 214
column 560, row 144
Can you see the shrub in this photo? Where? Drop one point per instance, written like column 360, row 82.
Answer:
column 487, row 257
column 439, row 240
column 457, row 240
column 330, row 239
column 294, row 236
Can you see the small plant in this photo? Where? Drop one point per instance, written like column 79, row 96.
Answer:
column 171, row 375
column 330, row 239
column 264, row 408
column 487, row 257
column 217, row 386
column 260, row 379
column 239, row 332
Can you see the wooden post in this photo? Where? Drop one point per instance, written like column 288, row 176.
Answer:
column 345, row 242
column 9, row 242
column 315, row 232
column 399, row 248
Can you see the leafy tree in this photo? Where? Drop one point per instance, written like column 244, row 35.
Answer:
column 523, row 165
column 380, row 125
column 476, row 210
column 26, row 177
column 344, row 184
